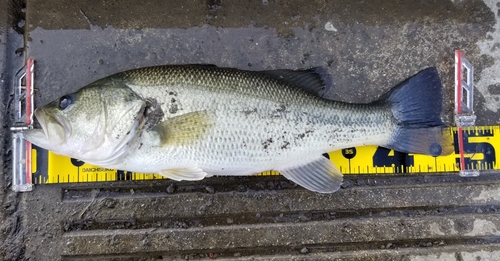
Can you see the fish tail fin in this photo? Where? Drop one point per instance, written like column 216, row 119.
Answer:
column 416, row 106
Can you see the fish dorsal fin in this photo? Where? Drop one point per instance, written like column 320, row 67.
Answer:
column 183, row 129
column 315, row 80
column 190, row 173
column 319, row 175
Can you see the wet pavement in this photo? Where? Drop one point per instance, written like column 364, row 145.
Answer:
column 367, row 46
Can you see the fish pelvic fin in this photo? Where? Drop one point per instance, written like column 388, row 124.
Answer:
column 319, row 175
column 416, row 106
column 183, row 129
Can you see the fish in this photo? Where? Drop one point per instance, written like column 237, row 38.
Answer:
column 188, row 122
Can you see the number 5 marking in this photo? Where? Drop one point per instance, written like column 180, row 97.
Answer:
column 485, row 148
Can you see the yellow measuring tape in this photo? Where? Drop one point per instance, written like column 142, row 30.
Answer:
column 480, row 147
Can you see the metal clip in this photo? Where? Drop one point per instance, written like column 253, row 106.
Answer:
column 464, row 106
column 23, row 120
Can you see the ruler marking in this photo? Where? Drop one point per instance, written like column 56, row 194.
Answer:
column 435, row 164
column 461, row 147
column 349, row 164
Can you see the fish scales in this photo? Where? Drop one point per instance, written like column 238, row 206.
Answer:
column 257, row 119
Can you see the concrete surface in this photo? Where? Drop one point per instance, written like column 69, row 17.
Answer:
column 11, row 60
column 376, row 218
column 368, row 47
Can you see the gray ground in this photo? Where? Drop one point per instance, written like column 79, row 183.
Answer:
column 368, row 46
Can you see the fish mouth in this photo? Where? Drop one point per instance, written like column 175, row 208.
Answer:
column 57, row 133
column 40, row 118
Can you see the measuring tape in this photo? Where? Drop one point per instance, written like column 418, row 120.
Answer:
column 475, row 146
column 480, row 145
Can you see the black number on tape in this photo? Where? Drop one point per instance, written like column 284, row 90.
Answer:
column 400, row 161
column 474, row 148
column 349, row 153
column 77, row 162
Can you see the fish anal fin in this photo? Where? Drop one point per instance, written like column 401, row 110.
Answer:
column 191, row 173
column 183, row 129
column 320, row 175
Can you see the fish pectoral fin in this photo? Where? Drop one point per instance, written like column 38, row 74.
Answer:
column 183, row 129
column 319, row 175
column 191, row 173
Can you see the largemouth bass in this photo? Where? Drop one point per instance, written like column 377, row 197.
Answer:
column 188, row 122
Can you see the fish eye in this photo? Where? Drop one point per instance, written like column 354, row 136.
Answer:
column 65, row 101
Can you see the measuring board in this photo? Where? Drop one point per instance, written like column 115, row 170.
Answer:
column 475, row 146
column 480, row 147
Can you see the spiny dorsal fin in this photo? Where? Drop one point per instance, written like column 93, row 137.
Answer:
column 183, row 129
column 315, row 80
